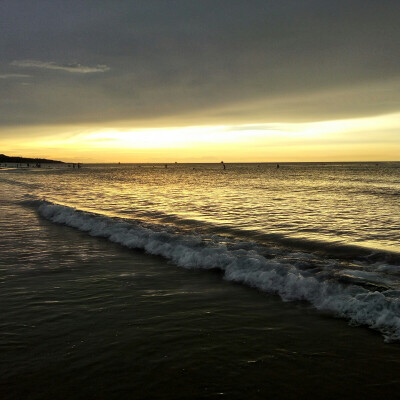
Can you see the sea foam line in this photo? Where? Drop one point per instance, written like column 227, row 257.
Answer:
column 378, row 310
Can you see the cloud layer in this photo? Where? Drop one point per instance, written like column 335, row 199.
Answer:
column 72, row 67
column 13, row 76
column 195, row 62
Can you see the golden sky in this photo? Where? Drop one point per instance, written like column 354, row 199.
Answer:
column 362, row 139
column 204, row 81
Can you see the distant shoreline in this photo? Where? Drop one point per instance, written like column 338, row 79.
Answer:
column 24, row 160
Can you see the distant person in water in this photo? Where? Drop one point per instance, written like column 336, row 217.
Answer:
column 277, row 165
column 223, row 164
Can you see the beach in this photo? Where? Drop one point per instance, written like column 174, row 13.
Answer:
column 130, row 282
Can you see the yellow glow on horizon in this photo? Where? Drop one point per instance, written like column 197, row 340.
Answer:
column 155, row 138
column 333, row 140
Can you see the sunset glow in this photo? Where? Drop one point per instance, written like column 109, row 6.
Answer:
column 245, row 85
column 317, row 141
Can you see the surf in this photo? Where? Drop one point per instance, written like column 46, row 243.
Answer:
column 277, row 273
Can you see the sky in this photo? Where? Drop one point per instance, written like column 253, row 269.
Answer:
column 200, row 80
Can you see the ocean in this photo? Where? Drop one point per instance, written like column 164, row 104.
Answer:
column 191, row 281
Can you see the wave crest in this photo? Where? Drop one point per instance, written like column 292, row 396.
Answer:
column 279, row 275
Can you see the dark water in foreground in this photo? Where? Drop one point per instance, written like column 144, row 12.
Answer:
column 85, row 317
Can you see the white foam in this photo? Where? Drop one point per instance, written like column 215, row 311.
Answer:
column 379, row 310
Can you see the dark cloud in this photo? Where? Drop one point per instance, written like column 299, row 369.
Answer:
column 205, row 61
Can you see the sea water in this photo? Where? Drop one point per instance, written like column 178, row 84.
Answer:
column 190, row 280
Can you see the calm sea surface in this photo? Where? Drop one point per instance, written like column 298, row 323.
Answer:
column 191, row 281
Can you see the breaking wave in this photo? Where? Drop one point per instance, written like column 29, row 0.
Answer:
column 294, row 276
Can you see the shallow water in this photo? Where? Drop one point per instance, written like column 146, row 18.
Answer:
column 350, row 203
column 97, row 317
